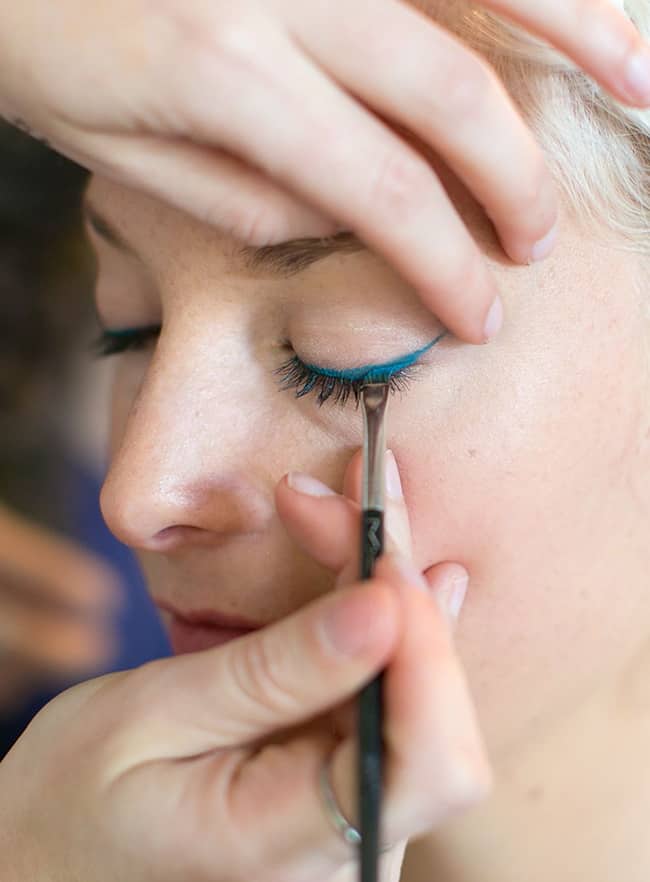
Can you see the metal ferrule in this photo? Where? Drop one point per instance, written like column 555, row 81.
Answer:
column 374, row 397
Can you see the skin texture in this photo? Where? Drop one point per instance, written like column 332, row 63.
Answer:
column 514, row 466
column 527, row 461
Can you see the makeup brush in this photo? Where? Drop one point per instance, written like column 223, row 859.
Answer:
column 374, row 397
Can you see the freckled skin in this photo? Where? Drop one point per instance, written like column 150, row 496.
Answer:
column 526, row 460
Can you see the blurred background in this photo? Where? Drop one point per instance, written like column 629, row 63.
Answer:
column 59, row 565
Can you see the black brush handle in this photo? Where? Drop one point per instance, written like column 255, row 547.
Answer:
column 370, row 720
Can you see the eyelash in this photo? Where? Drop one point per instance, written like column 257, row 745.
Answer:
column 293, row 374
column 114, row 342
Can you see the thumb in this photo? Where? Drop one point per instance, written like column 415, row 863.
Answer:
column 269, row 680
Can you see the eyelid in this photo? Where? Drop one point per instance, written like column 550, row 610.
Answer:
column 370, row 372
column 339, row 386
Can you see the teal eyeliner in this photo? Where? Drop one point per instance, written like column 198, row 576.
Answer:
column 374, row 373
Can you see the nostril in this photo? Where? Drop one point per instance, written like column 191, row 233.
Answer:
column 162, row 514
column 181, row 535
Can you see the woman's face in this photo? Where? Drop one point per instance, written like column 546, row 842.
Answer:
column 526, row 460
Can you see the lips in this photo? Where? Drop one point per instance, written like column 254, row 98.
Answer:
column 194, row 631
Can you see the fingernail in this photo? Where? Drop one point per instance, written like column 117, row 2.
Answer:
column 494, row 320
column 637, row 75
column 451, row 596
column 302, row 483
column 409, row 572
column 544, row 247
column 393, row 480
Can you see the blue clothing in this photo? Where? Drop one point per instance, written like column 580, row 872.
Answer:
column 139, row 632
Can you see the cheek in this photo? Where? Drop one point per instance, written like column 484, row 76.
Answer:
column 522, row 472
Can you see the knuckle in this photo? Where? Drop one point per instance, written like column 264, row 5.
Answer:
column 254, row 223
column 258, row 678
column 531, row 196
column 399, row 185
column 464, row 278
column 464, row 87
column 231, row 38
column 236, row 38
column 469, row 780
column 213, row 45
column 151, row 683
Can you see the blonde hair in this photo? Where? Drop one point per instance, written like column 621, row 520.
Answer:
column 598, row 149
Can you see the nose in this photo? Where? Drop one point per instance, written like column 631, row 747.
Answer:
column 184, row 470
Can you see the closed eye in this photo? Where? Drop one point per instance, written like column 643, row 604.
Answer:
column 114, row 342
column 339, row 386
column 325, row 384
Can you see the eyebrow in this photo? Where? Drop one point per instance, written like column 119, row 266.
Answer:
column 285, row 259
column 289, row 258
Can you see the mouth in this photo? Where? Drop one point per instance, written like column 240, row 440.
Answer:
column 196, row 630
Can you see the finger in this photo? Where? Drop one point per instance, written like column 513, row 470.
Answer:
column 447, row 583
column 271, row 679
column 597, row 35
column 224, row 795
column 431, row 733
column 51, row 568
column 397, row 528
column 274, row 790
column 295, row 823
column 447, row 95
column 435, row 762
column 215, row 187
column 369, row 179
column 52, row 641
column 326, row 525
column 322, row 523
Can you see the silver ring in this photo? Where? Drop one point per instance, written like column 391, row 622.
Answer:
column 334, row 813
column 340, row 823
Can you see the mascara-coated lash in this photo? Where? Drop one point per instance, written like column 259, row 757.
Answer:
column 328, row 383
column 295, row 374
column 114, row 342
